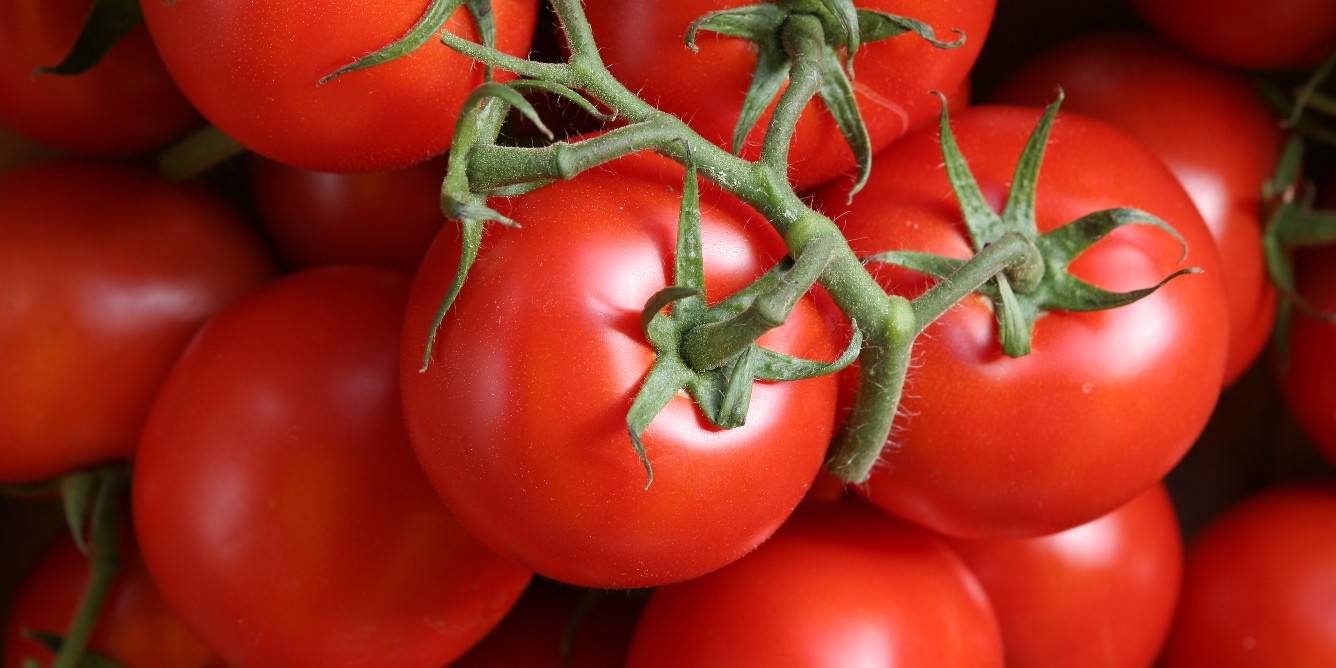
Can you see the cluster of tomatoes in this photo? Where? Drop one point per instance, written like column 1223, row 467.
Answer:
column 303, row 462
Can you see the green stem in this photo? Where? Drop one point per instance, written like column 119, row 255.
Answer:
column 1010, row 253
column 104, row 562
column 714, row 344
column 804, row 40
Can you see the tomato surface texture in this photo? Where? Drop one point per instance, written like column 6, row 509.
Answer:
column 1280, row 34
column 1100, row 594
column 520, row 418
column 987, row 445
column 841, row 584
column 1210, row 127
column 278, row 503
column 252, row 69
column 106, row 267
column 1258, row 583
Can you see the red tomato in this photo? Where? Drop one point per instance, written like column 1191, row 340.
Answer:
column 135, row 628
column 125, row 104
column 839, row 585
column 1307, row 377
column 1245, row 33
column 520, row 419
column 1100, row 594
column 1208, row 125
column 385, row 218
column 106, row 271
column 593, row 626
column 1259, row 587
column 1107, row 402
column 252, row 69
column 278, row 503
column 642, row 43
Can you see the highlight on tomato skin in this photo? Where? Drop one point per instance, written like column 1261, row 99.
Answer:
column 840, row 584
column 277, row 500
column 104, row 265
column 1209, row 125
column 1100, row 594
column 1107, row 402
column 1257, row 583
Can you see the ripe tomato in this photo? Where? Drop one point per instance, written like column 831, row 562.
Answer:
column 125, row 104
column 1208, row 125
column 278, row 503
column 1307, row 377
column 642, row 43
column 520, row 419
column 1100, row 594
column 384, row 218
column 135, row 628
column 839, row 585
column 103, row 267
column 1258, row 586
column 252, row 69
column 1107, row 402
column 1279, row 34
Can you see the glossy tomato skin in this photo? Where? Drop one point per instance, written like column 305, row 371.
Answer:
column 1284, row 34
column 1210, row 127
column 125, row 104
column 840, row 584
column 135, row 628
column 1100, row 594
column 1258, row 584
column 520, row 419
column 106, row 272
column 642, row 43
column 277, row 500
column 384, row 218
column 1107, row 402
column 1306, row 375
column 252, row 69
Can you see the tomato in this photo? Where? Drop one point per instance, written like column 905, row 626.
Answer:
column 1100, row 594
column 106, row 271
column 520, row 418
column 1307, row 376
column 385, row 218
column 642, row 43
column 1259, row 586
column 135, row 628
column 590, row 628
column 252, row 69
column 1282, row 34
column 278, row 503
column 124, row 104
column 987, row 445
column 1209, row 126
column 839, row 585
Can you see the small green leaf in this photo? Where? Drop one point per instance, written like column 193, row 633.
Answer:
column 662, row 383
column 106, row 23
column 79, row 492
column 875, row 26
column 983, row 224
column 196, row 153
column 923, row 263
column 429, row 24
column 732, row 411
column 1013, row 320
column 1061, row 245
column 1018, row 212
column 565, row 92
column 770, row 75
column 838, row 94
column 756, row 23
column 771, row 365
column 471, row 233
column 662, row 298
column 1069, row 293
column 849, row 25
column 688, row 255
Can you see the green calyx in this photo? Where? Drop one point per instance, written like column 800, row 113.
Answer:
column 1041, row 283
column 711, row 351
column 430, row 24
column 830, row 33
